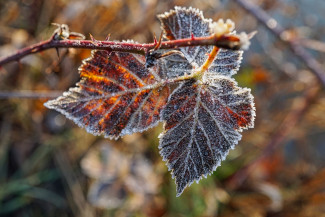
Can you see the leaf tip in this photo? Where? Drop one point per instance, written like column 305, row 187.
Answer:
column 180, row 187
column 48, row 104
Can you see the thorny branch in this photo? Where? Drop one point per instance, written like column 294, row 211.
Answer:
column 271, row 24
column 62, row 38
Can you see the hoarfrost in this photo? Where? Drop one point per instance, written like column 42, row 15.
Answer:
column 183, row 22
column 204, row 118
column 202, row 123
column 117, row 95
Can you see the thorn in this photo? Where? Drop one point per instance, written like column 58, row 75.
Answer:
column 108, row 36
column 160, row 37
column 192, row 36
column 154, row 39
column 92, row 38
column 159, row 42
column 57, row 52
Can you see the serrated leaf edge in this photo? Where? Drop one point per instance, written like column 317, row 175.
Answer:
column 88, row 129
column 223, row 157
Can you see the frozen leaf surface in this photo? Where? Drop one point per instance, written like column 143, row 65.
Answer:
column 182, row 23
column 203, row 117
column 175, row 65
column 203, row 122
column 117, row 95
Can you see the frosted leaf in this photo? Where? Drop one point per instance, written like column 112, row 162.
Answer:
column 117, row 95
column 202, row 123
column 120, row 93
column 175, row 65
column 226, row 63
column 183, row 22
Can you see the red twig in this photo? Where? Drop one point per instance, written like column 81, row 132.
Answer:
column 274, row 27
column 226, row 41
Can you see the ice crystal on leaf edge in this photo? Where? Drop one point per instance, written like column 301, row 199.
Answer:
column 188, row 144
column 113, row 99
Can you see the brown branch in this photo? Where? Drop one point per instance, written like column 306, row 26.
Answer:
column 225, row 41
column 271, row 24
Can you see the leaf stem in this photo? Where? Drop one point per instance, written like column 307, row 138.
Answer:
column 199, row 74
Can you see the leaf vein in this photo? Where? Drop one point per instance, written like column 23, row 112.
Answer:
column 217, row 123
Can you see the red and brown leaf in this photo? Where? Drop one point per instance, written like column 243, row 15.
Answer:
column 202, row 123
column 203, row 117
column 117, row 95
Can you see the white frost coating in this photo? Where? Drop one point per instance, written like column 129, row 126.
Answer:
column 183, row 22
column 221, row 27
column 203, row 118
column 205, row 129
column 244, row 41
column 114, row 103
column 175, row 66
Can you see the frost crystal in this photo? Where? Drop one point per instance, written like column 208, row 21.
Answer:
column 220, row 27
column 117, row 95
column 183, row 22
column 244, row 40
column 202, row 124
column 204, row 115
column 203, row 118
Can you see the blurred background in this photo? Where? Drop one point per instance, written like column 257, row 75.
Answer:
column 51, row 167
